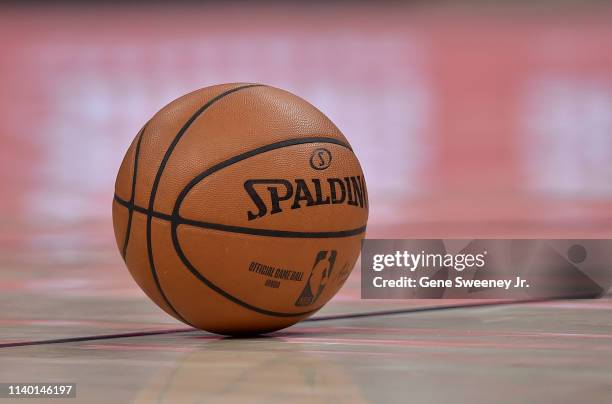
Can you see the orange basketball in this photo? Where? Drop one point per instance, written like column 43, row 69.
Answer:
column 240, row 209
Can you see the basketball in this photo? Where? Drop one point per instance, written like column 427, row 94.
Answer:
column 239, row 209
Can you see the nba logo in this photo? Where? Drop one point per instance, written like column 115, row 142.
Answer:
column 319, row 275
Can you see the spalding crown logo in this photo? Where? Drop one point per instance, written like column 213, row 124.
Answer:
column 320, row 159
column 271, row 196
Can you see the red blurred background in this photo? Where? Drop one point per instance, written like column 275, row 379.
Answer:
column 469, row 120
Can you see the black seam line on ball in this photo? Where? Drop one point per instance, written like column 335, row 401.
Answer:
column 175, row 219
column 160, row 171
column 271, row 233
column 225, row 294
column 133, row 193
column 237, row 229
column 249, row 154
column 142, row 210
column 248, row 230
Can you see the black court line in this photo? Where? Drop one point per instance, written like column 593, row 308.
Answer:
column 93, row 337
column 314, row 319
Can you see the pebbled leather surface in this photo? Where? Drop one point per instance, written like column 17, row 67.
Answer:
column 234, row 280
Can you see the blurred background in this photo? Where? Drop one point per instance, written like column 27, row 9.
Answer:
column 471, row 118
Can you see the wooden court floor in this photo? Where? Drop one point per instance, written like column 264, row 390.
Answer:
column 71, row 313
column 462, row 108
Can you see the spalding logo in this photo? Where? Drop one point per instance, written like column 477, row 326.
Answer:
column 320, row 159
column 301, row 193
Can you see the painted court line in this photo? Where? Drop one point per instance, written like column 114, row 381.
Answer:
column 314, row 319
